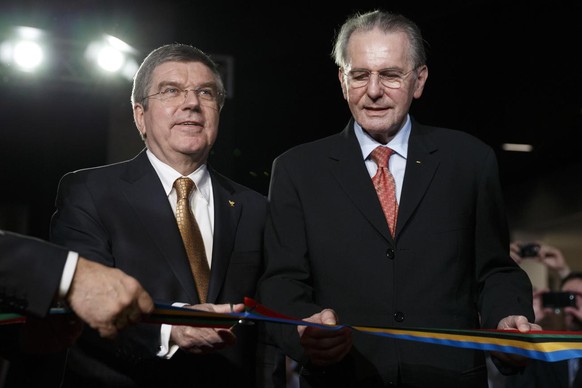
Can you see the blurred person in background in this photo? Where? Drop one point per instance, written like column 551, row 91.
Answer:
column 560, row 374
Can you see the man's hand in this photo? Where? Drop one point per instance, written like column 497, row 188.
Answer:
column 325, row 347
column 106, row 298
column 520, row 323
column 203, row 340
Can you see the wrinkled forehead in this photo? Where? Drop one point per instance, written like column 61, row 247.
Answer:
column 182, row 73
column 376, row 49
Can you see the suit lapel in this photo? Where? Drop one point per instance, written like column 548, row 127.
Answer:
column 421, row 165
column 145, row 195
column 227, row 210
column 348, row 168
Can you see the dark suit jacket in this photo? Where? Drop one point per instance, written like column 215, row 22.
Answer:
column 328, row 246
column 119, row 215
column 30, row 273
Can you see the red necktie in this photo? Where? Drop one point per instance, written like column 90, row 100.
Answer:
column 191, row 236
column 385, row 186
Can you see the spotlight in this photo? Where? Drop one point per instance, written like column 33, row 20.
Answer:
column 28, row 55
column 110, row 59
column 23, row 49
column 112, row 55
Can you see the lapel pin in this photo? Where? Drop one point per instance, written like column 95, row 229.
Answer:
column 231, row 203
column 418, row 162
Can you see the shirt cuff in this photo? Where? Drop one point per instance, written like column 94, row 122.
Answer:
column 68, row 273
column 166, row 350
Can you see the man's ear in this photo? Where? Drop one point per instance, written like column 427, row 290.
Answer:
column 342, row 80
column 420, row 81
column 138, row 112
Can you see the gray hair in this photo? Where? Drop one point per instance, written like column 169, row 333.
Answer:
column 385, row 21
column 142, row 81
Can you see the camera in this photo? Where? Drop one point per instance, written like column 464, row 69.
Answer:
column 529, row 250
column 559, row 299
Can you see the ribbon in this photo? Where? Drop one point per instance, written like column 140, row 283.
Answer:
column 9, row 318
column 542, row 345
column 183, row 316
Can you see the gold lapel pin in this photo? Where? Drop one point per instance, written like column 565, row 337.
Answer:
column 231, row 203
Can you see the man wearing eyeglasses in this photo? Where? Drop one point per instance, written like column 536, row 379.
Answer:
column 428, row 250
column 123, row 215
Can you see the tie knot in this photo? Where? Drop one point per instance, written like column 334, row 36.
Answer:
column 380, row 155
column 183, row 187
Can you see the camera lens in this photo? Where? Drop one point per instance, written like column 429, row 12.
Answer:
column 529, row 250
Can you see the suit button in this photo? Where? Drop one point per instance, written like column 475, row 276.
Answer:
column 399, row 316
column 390, row 253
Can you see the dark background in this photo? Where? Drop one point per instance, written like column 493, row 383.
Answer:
column 504, row 71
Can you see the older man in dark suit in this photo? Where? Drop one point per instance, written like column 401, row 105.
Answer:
column 429, row 249
column 123, row 215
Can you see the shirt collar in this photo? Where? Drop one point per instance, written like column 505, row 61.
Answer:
column 168, row 175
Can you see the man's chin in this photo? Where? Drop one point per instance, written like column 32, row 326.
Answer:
column 380, row 124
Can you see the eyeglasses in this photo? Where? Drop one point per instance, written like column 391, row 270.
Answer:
column 393, row 79
column 173, row 95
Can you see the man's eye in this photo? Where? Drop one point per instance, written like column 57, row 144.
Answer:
column 360, row 75
column 205, row 92
column 389, row 76
column 171, row 91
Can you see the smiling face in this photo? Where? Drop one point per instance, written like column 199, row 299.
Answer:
column 379, row 109
column 180, row 133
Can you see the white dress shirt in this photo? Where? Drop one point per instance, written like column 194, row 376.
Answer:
column 68, row 273
column 202, row 204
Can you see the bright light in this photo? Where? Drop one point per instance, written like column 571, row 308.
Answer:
column 112, row 55
column 39, row 53
column 517, row 147
column 118, row 44
column 110, row 59
column 23, row 48
column 29, row 33
column 27, row 55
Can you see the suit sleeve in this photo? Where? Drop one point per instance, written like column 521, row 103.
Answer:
column 287, row 275
column 505, row 289
column 30, row 273
column 76, row 223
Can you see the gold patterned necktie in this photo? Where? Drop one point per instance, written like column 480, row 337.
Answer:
column 191, row 236
column 385, row 185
